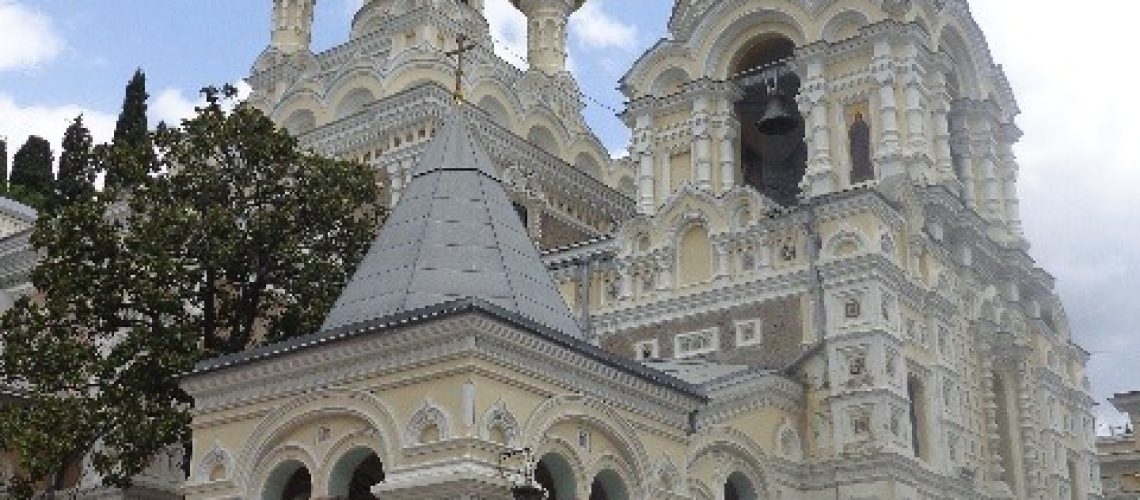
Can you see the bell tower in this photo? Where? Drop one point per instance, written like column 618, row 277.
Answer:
column 546, row 32
column 292, row 25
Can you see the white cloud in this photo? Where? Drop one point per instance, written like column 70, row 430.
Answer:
column 172, row 105
column 18, row 121
column 508, row 31
column 27, row 38
column 21, row 121
column 1079, row 170
column 594, row 28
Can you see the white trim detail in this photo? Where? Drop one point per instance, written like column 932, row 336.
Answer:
column 687, row 345
column 749, row 332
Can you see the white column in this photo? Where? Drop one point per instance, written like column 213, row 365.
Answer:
column 625, row 287
column 1012, row 204
column 884, row 73
column 989, row 200
column 665, row 273
column 727, row 144
column 643, row 153
column 664, row 182
column 960, row 138
column 915, row 111
column 702, row 160
column 943, row 161
column 820, row 178
column 396, row 179
column 468, row 396
column 720, row 248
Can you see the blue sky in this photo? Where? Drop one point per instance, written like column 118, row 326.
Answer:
column 1068, row 66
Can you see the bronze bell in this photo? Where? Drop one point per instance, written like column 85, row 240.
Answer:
column 776, row 120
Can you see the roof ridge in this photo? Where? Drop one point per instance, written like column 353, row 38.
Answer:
column 453, row 234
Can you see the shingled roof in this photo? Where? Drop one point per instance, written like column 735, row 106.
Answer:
column 453, row 235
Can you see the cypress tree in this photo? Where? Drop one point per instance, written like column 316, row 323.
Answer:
column 76, row 173
column 132, row 137
column 3, row 165
column 32, row 180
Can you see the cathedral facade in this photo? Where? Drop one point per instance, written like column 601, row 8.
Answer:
column 808, row 280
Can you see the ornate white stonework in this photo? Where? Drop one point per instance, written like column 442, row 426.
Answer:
column 853, row 300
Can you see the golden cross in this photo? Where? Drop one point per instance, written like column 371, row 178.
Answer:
column 462, row 47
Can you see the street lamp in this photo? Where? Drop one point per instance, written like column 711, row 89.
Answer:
column 523, row 485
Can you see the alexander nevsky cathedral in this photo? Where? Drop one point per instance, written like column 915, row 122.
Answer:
column 807, row 280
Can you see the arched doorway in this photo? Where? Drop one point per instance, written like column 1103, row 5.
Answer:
column 555, row 475
column 289, row 481
column 355, row 474
column 607, row 485
column 738, row 487
column 773, row 163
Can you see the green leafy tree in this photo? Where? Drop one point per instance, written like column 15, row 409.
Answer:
column 31, row 181
column 76, row 178
column 239, row 238
column 132, row 137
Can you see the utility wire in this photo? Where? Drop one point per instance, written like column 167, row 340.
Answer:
column 505, row 47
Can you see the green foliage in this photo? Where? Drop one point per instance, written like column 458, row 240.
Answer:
column 132, row 137
column 76, row 178
column 239, row 238
column 32, row 179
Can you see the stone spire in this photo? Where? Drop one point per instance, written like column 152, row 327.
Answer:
column 546, row 32
column 292, row 25
column 453, row 235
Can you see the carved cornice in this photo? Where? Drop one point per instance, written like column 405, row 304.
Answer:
column 291, row 368
column 737, row 395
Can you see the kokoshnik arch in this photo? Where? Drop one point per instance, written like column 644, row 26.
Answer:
column 842, row 308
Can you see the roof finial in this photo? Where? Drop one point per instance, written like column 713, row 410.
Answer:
column 462, row 47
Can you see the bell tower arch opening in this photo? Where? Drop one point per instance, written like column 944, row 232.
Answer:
column 773, row 152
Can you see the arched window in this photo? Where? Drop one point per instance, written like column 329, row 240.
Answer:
column 695, row 256
column 859, row 143
column 355, row 474
column 543, row 138
column 738, row 487
column 916, row 392
column 354, row 102
column 289, row 481
column 607, row 485
column 496, row 109
column 556, row 476
column 773, row 163
column 627, row 186
column 300, row 121
column 587, row 163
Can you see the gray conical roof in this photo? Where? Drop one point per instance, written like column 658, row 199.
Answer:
column 453, row 235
